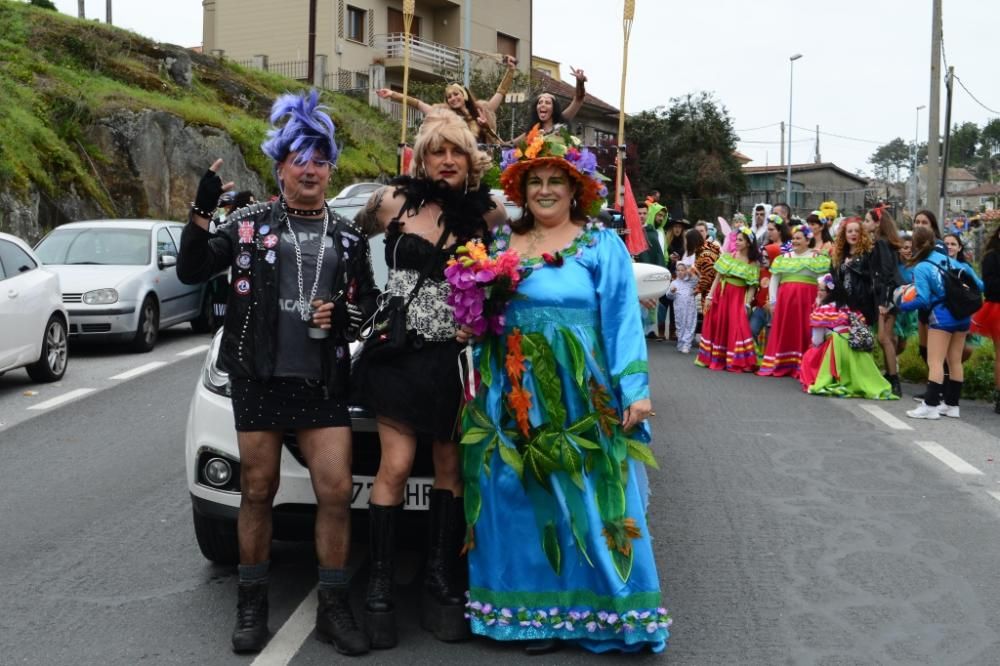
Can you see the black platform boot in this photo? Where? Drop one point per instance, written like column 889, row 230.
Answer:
column 443, row 605
column 380, row 613
column 996, row 400
column 251, row 633
column 335, row 622
column 897, row 388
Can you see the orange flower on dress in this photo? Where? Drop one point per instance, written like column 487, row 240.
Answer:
column 477, row 251
column 515, row 357
column 519, row 400
column 626, row 531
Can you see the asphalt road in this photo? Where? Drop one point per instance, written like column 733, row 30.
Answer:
column 789, row 530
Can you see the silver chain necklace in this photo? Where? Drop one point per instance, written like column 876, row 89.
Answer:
column 304, row 313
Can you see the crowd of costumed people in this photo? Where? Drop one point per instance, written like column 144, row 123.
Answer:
column 813, row 299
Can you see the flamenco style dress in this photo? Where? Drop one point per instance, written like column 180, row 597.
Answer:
column 832, row 368
column 555, row 491
column 792, row 292
column 726, row 341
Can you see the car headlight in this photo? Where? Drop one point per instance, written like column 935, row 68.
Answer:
column 100, row 297
column 213, row 378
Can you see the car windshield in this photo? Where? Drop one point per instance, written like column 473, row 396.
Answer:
column 105, row 247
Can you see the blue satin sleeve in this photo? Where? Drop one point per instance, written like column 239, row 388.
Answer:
column 621, row 318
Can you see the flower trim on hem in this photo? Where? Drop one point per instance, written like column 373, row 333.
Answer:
column 570, row 620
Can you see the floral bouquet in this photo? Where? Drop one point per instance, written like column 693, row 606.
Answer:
column 481, row 286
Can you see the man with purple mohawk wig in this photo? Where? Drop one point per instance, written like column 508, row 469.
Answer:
column 302, row 284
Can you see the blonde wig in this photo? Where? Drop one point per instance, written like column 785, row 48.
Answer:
column 439, row 126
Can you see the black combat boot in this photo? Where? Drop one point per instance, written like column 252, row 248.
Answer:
column 443, row 606
column 380, row 612
column 251, row 634
column 335, row 622
column 897, row 388
column 996, row 400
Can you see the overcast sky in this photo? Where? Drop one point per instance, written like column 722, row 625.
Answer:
column 864, row 70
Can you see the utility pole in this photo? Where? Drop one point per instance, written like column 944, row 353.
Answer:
column 108, row 12
column 312, row 43
column 782, row 143
column 79, row 9
column 818, row 160
column 949, row 84
column 934, row 115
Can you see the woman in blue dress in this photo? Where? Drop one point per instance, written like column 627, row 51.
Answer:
column 555, row 440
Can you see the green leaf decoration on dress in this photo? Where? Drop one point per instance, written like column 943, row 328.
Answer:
column 475, row 435
column 547, row 382
column 608, row 487
column 513, row 459
column 550, row 544
column 642, row 453
column 473, row 502
column 623, row 564
column 577, row 358
column 477, row 415
column 572, row 461
column 486, row 362
column 578, row 521
column 618, row 534
column 634, row 368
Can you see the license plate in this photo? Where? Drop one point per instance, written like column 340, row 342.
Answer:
column 416, row 495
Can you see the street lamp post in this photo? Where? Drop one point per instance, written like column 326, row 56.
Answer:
column 788, row 176
column 914, row 198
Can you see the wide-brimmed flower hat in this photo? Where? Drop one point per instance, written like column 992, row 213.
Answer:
column 559, row 149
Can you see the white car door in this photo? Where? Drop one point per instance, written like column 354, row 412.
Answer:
column 24, row 307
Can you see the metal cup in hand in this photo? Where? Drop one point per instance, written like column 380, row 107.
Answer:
column 315, row 332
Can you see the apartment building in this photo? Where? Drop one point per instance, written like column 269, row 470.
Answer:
column 359, row 43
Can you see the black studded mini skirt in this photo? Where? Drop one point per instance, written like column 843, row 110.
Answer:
column 283, row 403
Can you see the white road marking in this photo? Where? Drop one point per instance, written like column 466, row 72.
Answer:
column 995, row 495
column 286, row 643
column 948, row 458
column 885, row 417
column 64, row 398
column 141, row 370
column 193, row 350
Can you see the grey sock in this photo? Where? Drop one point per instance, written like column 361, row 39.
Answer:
column 333, row 579
column 254, row 573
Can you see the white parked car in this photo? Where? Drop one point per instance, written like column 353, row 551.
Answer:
column 212, row 460
column 119, row 280
column 33, row 321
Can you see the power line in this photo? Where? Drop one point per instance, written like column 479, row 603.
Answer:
column 773, row 142
column 841, row 136
column 754, row 129
column 975, row 99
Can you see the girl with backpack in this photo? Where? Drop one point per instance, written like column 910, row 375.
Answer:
column 933, row 271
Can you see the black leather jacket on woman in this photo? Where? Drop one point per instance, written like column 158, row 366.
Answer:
column 885, row 268
column 250, row 331
column 854, row 285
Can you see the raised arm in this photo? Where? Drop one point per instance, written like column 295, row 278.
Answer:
column 497, row 216
column 570, row 111
column 421, row 106
column 493, row 103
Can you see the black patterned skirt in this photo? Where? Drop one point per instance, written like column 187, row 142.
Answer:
column 285, row 403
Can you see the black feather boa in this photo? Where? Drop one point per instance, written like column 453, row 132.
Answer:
column 463, row 214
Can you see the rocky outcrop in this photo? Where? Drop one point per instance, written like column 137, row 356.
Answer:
column 149, row 164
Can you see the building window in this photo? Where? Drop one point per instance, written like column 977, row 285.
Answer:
column 355, row 24
column 506, row 45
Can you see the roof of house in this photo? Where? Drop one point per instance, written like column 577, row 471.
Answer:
column 799, row 168
column 954, row 173
column 741, row 158
column 568, row 91
column 984, row 190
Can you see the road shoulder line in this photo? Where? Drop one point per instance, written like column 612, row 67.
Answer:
column 949, row 458
column 64, row 398
column 885, row 417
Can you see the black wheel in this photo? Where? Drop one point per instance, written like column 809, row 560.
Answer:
column 51, row 364
column 149, row 326
column 203, row 322
column 216, row 538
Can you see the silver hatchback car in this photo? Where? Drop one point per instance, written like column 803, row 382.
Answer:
column 119, row 280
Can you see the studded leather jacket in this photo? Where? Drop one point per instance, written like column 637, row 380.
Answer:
column 250, row 331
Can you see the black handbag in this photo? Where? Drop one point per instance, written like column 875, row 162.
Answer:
column 385, row 334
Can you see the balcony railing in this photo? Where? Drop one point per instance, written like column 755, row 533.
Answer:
column 421, row 50
column 394, row 110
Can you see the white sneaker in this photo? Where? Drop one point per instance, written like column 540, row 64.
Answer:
column 948, row 410
column 924, row 411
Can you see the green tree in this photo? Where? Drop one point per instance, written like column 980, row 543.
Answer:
column 688, row 153
column 44, row 4
column 988, row 155
column 888, row 160
column 964, row 140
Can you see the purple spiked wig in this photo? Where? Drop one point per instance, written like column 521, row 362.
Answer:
column 307, row 129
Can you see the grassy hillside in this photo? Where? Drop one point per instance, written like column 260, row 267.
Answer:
column 58, row 74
